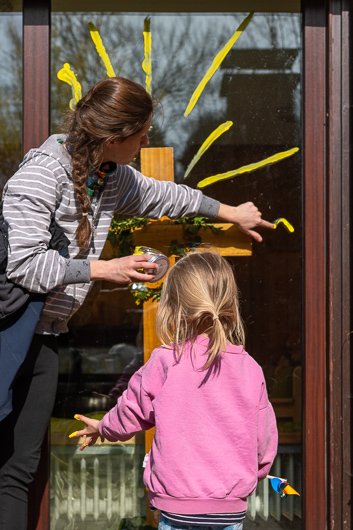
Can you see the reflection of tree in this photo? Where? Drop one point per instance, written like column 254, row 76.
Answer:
column 10, row 103
column 182, row 49
column 274, row 30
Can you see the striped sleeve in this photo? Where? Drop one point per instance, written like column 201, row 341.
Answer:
column 146, row 197
column 29, row 204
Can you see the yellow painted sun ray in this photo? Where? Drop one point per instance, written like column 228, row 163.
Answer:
column 245, row 169
column 100, row 49
column 286, row 224
column 147, row 63
column 68, row 76
column 207, row 143
column 216, row 63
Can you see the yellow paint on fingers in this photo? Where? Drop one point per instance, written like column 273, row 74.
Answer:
column 72, row 435
column 207, row 143
column 100, row 49
column 147, row 63
column 246, row 169
column 68, row 76
column 216, row 63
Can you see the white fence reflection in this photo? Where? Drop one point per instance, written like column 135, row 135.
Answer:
column 265, row 502
column 101, row 485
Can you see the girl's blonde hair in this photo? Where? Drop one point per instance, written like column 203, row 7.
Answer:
column 200, row 296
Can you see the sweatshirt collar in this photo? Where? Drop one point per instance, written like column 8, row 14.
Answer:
column 231, row 348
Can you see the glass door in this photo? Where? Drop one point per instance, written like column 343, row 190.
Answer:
column 249, row 110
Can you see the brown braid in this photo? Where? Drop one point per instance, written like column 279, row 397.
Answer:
column 115, row 108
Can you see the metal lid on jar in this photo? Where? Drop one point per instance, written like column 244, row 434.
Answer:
column 163, row 266
column 146, row 250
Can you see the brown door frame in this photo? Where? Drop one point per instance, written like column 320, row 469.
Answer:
column 326, row 304
column 36, row 128
column 327, row 268
column 314, row 362
column 36, row 72
column 339, row 65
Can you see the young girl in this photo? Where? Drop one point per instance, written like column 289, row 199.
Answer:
column 216, row 433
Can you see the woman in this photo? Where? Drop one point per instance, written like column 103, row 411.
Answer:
column 79, row 180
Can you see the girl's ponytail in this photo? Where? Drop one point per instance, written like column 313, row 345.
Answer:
column 200, row 296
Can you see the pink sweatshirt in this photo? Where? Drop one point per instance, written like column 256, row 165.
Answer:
column 216, row 433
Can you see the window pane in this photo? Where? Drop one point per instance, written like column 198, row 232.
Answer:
column 10, row 89
column 257, row 87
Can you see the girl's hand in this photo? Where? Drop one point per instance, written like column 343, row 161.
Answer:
column 123, row 270
column 91, row 431
column 246, row 216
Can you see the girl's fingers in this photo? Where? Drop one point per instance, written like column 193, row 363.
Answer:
column 82, row 418
column 85, row 444
column 89, row 441
column 77, row 434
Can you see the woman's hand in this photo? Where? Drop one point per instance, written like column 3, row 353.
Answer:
column 91, row 431
column 123, row 270
column 246, row 216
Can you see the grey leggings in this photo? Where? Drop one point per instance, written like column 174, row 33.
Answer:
column 23, row 431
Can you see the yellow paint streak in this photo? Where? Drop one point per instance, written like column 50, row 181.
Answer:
column 286, row 223
column 207, row 143
column 246, row 169
column 147, row 63
column 68, row 76
column 100, row 49
column 216, row 63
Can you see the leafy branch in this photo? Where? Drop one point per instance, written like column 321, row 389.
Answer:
column 121, row 236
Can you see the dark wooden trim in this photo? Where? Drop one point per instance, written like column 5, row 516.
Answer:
column 347, row 197
column 334, row 265
column 36, row 72
column 314, row 134
column 36, row 128
column 338, row 262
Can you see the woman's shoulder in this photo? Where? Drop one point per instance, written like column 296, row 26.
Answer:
column 50, row 156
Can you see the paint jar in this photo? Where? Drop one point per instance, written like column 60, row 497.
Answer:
column 156, row 257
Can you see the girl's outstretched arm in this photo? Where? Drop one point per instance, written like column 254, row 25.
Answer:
column 91, row 431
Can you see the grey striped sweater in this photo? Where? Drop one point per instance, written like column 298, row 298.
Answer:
column 43, row 188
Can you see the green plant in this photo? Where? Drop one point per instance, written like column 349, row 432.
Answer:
column 121, row 234
column 142, row 293
column 121, row 237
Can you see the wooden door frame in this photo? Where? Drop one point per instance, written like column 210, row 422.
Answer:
column 327, row 267
column 36, row 128
column 326, row 264
column 314, row 266
column 339, row 105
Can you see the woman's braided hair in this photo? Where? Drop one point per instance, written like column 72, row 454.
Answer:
column 114, row 108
